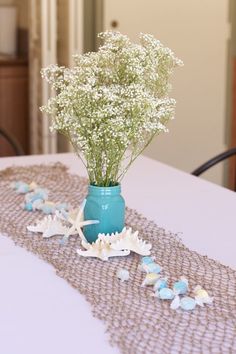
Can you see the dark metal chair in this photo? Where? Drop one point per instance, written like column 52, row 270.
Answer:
column 12, row 142
column 215, row 160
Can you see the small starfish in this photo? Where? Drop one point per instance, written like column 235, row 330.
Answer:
column 77, row 223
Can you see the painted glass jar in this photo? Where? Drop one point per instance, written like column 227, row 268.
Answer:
column 106, row 205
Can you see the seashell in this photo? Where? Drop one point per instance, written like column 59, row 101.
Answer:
column 49, row 226
column 150, row 279
column 160, row 284
column 122, row 274
column 147, row 260
column 28, row 206
column 38, row 193
column 187, row 303
column 201, row 296
column 130, row 241
column 48, row 207
column 33, row 186
column 180, row 287
column 165, row 294
column 175, row 304
column 22, row 188
column 151, row 268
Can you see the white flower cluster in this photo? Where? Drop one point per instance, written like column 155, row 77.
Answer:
column 111, row 101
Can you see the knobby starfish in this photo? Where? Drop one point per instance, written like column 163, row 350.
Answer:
column 63, row 223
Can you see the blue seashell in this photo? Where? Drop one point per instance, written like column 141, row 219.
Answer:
column 147, row 260
column 36, row 196
column 180, row 287
column 152, row 268
column 166, row 294
column 187, row 303
column 160, row 284
column 62, row 207
column 22, row 188
column 28, row 206
column 42, row 193
column 48, row 209
column 17, row 184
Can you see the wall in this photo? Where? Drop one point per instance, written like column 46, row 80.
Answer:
column 198, row 35
column 23, row 23
column 22, row 6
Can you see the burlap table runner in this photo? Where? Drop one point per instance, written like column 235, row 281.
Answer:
column 136, row 322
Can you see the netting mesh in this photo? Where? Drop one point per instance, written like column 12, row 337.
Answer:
column 136, row 322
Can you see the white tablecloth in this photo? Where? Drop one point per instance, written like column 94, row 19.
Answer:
column 41, row 314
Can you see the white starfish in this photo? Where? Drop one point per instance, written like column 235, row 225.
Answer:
column 115, row 244
column 49, row 226
column 76, row 220
column 62, row 223
column 100, row 249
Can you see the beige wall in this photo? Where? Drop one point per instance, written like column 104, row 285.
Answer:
column 22, row 6
column 198, row 35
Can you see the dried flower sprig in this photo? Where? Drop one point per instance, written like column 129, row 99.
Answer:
column 113, row 102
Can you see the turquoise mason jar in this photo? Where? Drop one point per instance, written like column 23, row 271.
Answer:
column 106, row 205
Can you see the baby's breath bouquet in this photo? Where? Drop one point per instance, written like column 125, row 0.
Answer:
column 113, row 102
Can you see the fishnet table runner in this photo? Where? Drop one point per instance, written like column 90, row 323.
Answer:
column 136, row 322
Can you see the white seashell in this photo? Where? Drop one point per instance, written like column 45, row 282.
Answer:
column 202, row 297
column 128, row 240
column 122, row 274
column 175, row 304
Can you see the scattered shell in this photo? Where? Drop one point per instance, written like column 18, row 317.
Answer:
column 147, row 260
column 33, row 186
column 160, row 284
column 187, row 303
column 201, row 296
column 180, row 287
column 150, row 279
column 175, row 303
column 151, row 268
column 37, row 204
column 20, row 187
column 165, row 294
column 38, row 193
column 122, row 274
